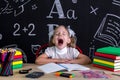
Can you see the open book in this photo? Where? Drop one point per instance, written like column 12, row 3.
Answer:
column 53, row 67
column 109, row 30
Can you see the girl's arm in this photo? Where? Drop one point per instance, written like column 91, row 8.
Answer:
column 44, row 59
column 81, row 59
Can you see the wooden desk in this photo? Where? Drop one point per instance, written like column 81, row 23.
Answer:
column 51, row 76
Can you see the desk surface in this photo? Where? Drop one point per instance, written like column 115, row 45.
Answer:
column 51, row 76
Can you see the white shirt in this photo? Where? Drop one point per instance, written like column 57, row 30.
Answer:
column 66, row 53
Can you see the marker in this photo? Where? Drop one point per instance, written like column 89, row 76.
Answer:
column 68, row 75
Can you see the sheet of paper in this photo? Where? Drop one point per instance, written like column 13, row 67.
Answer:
column 50, row 67
column 71, row 67
column 53, row 67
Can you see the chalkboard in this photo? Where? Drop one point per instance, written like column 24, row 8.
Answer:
column 25, row 24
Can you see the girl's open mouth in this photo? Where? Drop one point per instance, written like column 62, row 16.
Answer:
column 60, row 41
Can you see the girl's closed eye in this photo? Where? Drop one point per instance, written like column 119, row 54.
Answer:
column 56, row 34
column 64, row 33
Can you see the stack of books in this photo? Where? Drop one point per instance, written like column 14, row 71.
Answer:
column 107, row 58
column 17, row 60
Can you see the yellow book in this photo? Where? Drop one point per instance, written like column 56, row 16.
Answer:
column 17, row 62
column 18, row 53
column 15, row 66
column 106, row 62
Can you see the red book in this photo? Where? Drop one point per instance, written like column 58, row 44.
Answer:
column 17, row 56
column 111, row 56
column 107, row 68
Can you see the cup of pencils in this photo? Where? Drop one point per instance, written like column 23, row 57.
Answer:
column 6, row 59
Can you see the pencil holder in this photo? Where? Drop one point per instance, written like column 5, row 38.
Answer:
column 6, row 59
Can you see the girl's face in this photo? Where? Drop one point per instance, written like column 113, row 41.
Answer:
column 61, row 37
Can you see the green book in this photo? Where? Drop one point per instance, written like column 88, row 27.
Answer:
column 102, row 64
column 17, row 66
column 109, row 50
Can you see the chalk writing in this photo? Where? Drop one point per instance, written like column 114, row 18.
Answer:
column 72, row 12
column 57, row 5
column 30, row 28
column 17, row 26
column 74, row 1
column 0, row 36
column 11, row 46
column 116, row 2
column 34, row 7
column 91, row 49
column 34, row 48
column 51, row 28
column 109, row 30
column 59, row 11
column 93, row 10
column 14, row 6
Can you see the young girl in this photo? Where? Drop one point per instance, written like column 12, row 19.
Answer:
column 62, row 49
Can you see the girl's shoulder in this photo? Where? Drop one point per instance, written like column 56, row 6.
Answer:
column 72, row 49
column 51, row 48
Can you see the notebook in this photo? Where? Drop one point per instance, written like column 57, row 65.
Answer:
column 53, row 67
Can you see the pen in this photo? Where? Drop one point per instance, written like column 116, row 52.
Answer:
column 68, row 75
column 116, row 74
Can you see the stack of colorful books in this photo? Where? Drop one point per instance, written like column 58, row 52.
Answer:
column 107, row 58
column 17, row 59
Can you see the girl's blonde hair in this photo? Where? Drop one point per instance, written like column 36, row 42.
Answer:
column 73, row 38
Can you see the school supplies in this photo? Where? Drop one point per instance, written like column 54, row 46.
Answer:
column 8, row 62
column 24, row 71
column 35, row 74
column 17, row 58
column 6, row 58
column 67, row 75
column 110, row 50
column 107, row 68
column 53, row 67
column 107, row 58
column 17, row 61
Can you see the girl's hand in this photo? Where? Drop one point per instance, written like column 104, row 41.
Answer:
column 70, row 61
column 66, row 61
